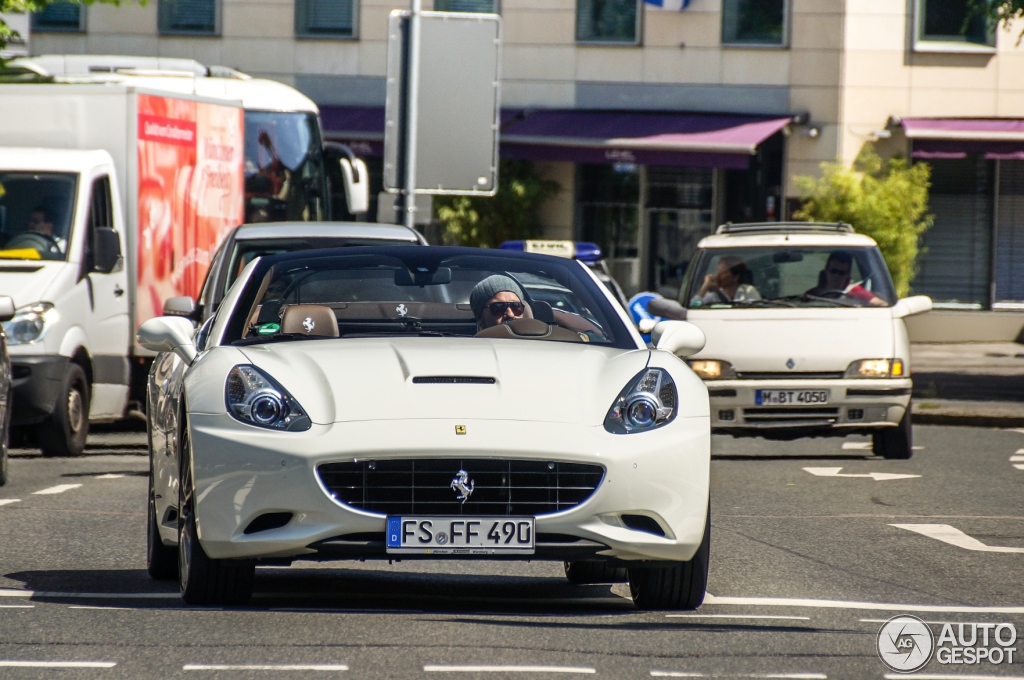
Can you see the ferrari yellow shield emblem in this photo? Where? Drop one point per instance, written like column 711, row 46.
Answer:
column 460, row 429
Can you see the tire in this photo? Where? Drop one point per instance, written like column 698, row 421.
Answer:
column 895, row 443
column 680, row 586
column 64, row 431
column 5, row 438
column 204, row 581
column 161, row 561
column 585, row 573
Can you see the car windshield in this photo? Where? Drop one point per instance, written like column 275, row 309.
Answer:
column 394, row 291
column 284, row 173
column 36, row 209
column 785, row 276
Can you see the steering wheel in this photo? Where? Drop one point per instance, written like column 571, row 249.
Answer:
column 832, row 293
column 43, row 243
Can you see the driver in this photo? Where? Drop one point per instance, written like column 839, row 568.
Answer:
column 496, row 299
column 40, row 222
column 837, row 277
column 726, row 284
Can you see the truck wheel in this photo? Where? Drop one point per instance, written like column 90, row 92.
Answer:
column 680, row 586
column 63, row 433
column 584, row 573
column 5, row 438
column 203, row 580
column 895, row 443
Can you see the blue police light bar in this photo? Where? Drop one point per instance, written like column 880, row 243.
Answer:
column 588, row 253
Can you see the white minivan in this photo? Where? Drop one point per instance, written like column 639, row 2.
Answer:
column 805, row 335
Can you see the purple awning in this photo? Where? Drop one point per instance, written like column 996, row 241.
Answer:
column 996, row 138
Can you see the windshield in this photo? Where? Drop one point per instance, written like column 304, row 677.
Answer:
column 785, row 276
column 374, row 292
column 284, row 169
column 36, row 210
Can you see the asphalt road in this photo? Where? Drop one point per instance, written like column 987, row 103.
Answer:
column 805, row 567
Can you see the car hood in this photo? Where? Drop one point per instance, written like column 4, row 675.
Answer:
column 376, row 379
column 28, row 281
column 815, row 340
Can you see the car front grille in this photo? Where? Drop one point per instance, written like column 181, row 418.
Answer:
column 783, row 415
column 789, row 375
column 425, row 486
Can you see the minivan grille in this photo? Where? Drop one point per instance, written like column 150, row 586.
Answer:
column 424, row 486
column 789, row 375
column 781, row 415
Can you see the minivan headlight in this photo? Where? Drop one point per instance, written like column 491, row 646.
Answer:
column 257, row 399
column 876, row 368
column 646, row 403
column 30, row 323
column 712, row 369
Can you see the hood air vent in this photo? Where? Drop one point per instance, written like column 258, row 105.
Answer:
column 452, row 380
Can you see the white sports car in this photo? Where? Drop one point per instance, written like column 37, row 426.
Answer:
column 349, row 404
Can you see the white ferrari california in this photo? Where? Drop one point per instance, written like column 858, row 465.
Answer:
column 427, row 403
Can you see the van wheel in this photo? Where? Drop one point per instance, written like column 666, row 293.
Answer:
column 64, row 431
column 895, row 443
column 680, row 586
column 584, row 573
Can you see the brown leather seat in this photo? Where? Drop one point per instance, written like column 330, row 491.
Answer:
column 530, row 329
column 310, row 320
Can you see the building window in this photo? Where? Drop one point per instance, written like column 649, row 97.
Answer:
column 953, row 21
column 608, row 21
column 189, row 17
column 608, row 214
column 326, row 18
column 62, row 17
column 754, row 22
column 466, row 5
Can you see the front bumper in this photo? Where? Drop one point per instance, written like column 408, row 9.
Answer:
column 243, row 472
column 854, row 406
column 37, row 383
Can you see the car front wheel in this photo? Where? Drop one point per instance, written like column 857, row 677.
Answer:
column 679, row 586
column 5, row 438
column 895, row 443
column 63, row 433
column 204, row 581
column 585, row 573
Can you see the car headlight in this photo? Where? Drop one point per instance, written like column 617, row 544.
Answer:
column 876, row 368
column 256, row 399
column 646, row 403
column 30, row 323
column 712, row 369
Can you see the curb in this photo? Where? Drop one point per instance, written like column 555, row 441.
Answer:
column 967, row 420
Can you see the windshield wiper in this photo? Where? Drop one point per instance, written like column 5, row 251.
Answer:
column 279, row 337
column 764, row 302
column 836, row 301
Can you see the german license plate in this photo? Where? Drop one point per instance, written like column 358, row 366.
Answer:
column 791, row 397
column 461, row 535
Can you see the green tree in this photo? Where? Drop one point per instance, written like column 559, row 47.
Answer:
column 509, row 215
column 999, row 12
column 886, row 200
column 20, row 6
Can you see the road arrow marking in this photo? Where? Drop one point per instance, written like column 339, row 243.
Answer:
column 877, row 476
column 60, row 488
column 953, row 536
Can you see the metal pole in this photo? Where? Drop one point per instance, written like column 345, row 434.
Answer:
column 412, row 112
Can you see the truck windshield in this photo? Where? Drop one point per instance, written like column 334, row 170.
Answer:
column 787, row 276
column 36, row 211
column 284, row 168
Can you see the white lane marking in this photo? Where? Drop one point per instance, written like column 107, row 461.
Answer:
column 109, row 476
column 1016, row 458
column 17, row 606
column 940, row 676
column 509, row 669
column 8, row 501
column 849, row 604
column 834, row 472
column 1020, row 450
column 953, row 536
column 265, row 667
column 79, row 606
column 856, row 446
column 60, row 488
column 57, row 664
column 1019, row 466
column 13, row 592
column 734, row 616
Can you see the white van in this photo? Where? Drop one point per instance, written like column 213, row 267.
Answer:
column 805, row 335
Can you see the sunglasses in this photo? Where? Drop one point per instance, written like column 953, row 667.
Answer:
column 839, row 272
column 498, row 308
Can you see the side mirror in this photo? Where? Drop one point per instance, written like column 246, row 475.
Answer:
column 6, row 308
column 918, row 304
column 678, row 337
column 181, row 305
column 357, row 185
column 106, row 250
column 667, row 309
column 168, row 334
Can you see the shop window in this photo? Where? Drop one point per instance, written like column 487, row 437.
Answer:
column 608, row 214
column 189, row 17
column 1009, row 238
column 754, row 22
column 60, row 17
column 680, row 213
column 325, row 18
column 608, row 21
column 466, row 5
column 953, row 22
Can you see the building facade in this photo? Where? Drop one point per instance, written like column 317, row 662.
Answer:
column 658, row 124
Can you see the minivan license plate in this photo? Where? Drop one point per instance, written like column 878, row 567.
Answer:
column 461, row 535
column 790, row 397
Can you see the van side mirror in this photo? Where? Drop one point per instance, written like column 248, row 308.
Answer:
column 917, row 304
column 678, row 337
column 181, row 305
column 106, row 250
column 168, row 334
column 6, row 308
column 357, row 184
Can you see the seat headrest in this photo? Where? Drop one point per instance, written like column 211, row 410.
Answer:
column 310, row 320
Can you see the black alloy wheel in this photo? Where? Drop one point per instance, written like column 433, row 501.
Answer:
column 680, row 586
column 64, row 431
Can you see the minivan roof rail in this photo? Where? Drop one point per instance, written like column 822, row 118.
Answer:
column 783, row 227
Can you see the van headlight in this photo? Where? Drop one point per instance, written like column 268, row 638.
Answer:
column 30, row 323
column 712, row 369
column 876, row 368
column 646, row 403
column 257, row 399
